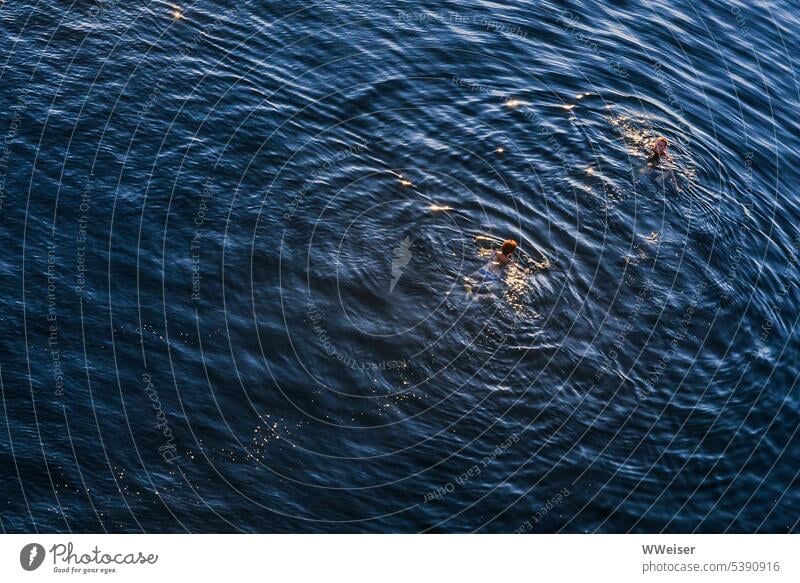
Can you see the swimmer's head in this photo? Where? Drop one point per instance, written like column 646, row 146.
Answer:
column 661, row 145
column 509, row 245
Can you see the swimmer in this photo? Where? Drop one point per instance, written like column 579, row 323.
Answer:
column 500, row 258
column 492, row 270
column 658, row 153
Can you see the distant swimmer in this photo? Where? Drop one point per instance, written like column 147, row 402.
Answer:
column 658, row 152
column 492, row 270
column 499, row 259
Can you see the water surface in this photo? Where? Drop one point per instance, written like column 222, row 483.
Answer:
column 235, row 237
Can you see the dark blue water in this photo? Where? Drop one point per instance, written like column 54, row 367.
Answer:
column 235, row 237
